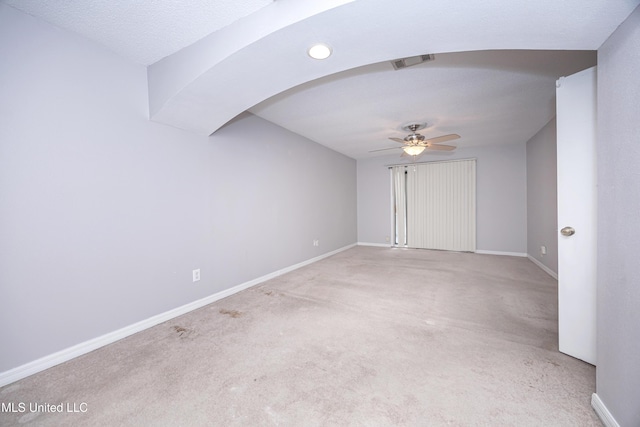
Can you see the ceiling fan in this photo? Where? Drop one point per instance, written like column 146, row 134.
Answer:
column 414, row 144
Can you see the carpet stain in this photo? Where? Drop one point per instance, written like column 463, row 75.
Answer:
column 182, row 331
column 268, row 293
column 232, row 313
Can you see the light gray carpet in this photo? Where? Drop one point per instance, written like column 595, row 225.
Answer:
column 370, row 336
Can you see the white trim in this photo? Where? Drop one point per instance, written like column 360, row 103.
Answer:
column 389, row 245
column 380, row 245
column 69, row 353
column 519, row 254
column 432, row 161
column 392, row 210
column 602, row 411
column 546, row 269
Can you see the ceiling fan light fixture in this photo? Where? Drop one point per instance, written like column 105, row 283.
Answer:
column 319, row 51
column 413, row 150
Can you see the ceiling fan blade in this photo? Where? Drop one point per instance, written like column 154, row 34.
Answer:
column 401, row 141
column 441, row 147
column 443, row 138
column 385, row 149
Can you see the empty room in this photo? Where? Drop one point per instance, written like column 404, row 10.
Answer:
column 273, row 212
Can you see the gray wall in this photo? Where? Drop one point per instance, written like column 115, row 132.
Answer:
column 501, row 196
column 542, row 196
column 103, row 214
column 618, row 303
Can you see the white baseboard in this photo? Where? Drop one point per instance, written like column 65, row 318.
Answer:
column 546, row 269
column 519, row 254
column 479, row 251
column 67, row 354
column 380, row 245
column 602, row 411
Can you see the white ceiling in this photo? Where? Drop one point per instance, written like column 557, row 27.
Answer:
column 142, row 31
column 492, row 80
column 487, row 97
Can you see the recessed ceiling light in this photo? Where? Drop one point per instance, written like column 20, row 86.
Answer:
column 319, row 51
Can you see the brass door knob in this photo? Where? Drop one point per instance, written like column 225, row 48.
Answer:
column 568, row 231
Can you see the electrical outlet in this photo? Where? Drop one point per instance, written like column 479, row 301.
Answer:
column 196, row 275
column 316, row 242
column 386, row 239
column 543, row 250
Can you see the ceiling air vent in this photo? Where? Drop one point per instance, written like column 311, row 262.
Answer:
column 399, row 64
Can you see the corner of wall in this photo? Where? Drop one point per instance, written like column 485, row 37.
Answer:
column 602, row 411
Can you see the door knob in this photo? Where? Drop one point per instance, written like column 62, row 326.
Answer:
column 568, row 231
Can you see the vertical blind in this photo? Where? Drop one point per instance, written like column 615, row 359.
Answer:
column 435, row 205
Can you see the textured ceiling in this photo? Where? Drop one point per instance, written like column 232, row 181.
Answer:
column 487, row 97
column 492, row 80
column 143, row 31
